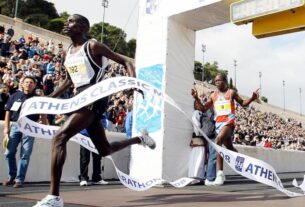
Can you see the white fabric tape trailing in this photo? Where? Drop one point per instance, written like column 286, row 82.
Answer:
column 244, row 165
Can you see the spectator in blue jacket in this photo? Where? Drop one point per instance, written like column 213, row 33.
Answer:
column 128, row 122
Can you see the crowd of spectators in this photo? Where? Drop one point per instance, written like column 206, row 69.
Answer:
column 43, row 60
column 30, row 56
column 269, row 130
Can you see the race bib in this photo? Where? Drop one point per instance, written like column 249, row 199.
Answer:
column 16, row 106
column 223, row 107
column 79, row 72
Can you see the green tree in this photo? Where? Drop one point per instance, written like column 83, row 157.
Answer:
column 231, row 83
column 8, row 7
column 38, row 19
column 264, row 99
column 131, row 48
column 198, row 69
column 210, row 71
column 37, row 12
column 40, row 6
column 56, row 25
column 114, row 38
column 64, row 15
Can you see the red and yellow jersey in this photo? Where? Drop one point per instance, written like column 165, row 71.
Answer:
column 224, row 107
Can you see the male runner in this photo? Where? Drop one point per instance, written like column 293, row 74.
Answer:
column 85, row 63
column 223, row 101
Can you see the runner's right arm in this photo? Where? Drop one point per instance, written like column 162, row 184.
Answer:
column 62, row 87
column 202, row 107
column 246, row 102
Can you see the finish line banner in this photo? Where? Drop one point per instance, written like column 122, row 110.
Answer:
column 244, row 165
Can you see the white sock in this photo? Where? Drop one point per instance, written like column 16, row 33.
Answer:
column 52, row 196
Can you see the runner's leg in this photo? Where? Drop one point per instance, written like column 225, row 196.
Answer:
column 98, row 137
column 72, row 126
column 224, row 137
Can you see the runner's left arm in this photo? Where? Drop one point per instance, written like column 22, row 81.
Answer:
column 202, row 107
column 98, row 49
column 62, row 87
column 246, row 102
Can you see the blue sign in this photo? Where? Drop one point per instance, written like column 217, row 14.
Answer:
column 151, row 6
column 239, row 163
column 148, row 114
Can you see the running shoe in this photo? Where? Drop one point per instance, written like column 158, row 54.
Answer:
column 50, row 201
column 101, row 182
column 146, row 140
column 208, row 183
column 220, row 178
column 83, row 183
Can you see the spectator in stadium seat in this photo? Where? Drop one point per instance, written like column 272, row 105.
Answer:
column 50, row 46
column 120, row 117
column 21, row 41
column 32, row 50
column 268, row 143
column 112, row 110
column 2, row 29
column 14, row 60
column 128, row 121
column 4, row 95
column 48, row 84
column 5, row 47
column 247, row 140
column 50, row 68
column 10, row 31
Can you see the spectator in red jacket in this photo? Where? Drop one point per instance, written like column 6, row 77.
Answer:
column 120, row 117
column 268, row 143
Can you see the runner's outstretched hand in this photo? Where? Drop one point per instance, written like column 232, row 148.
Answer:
column 255, row 95
column 194, row 93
